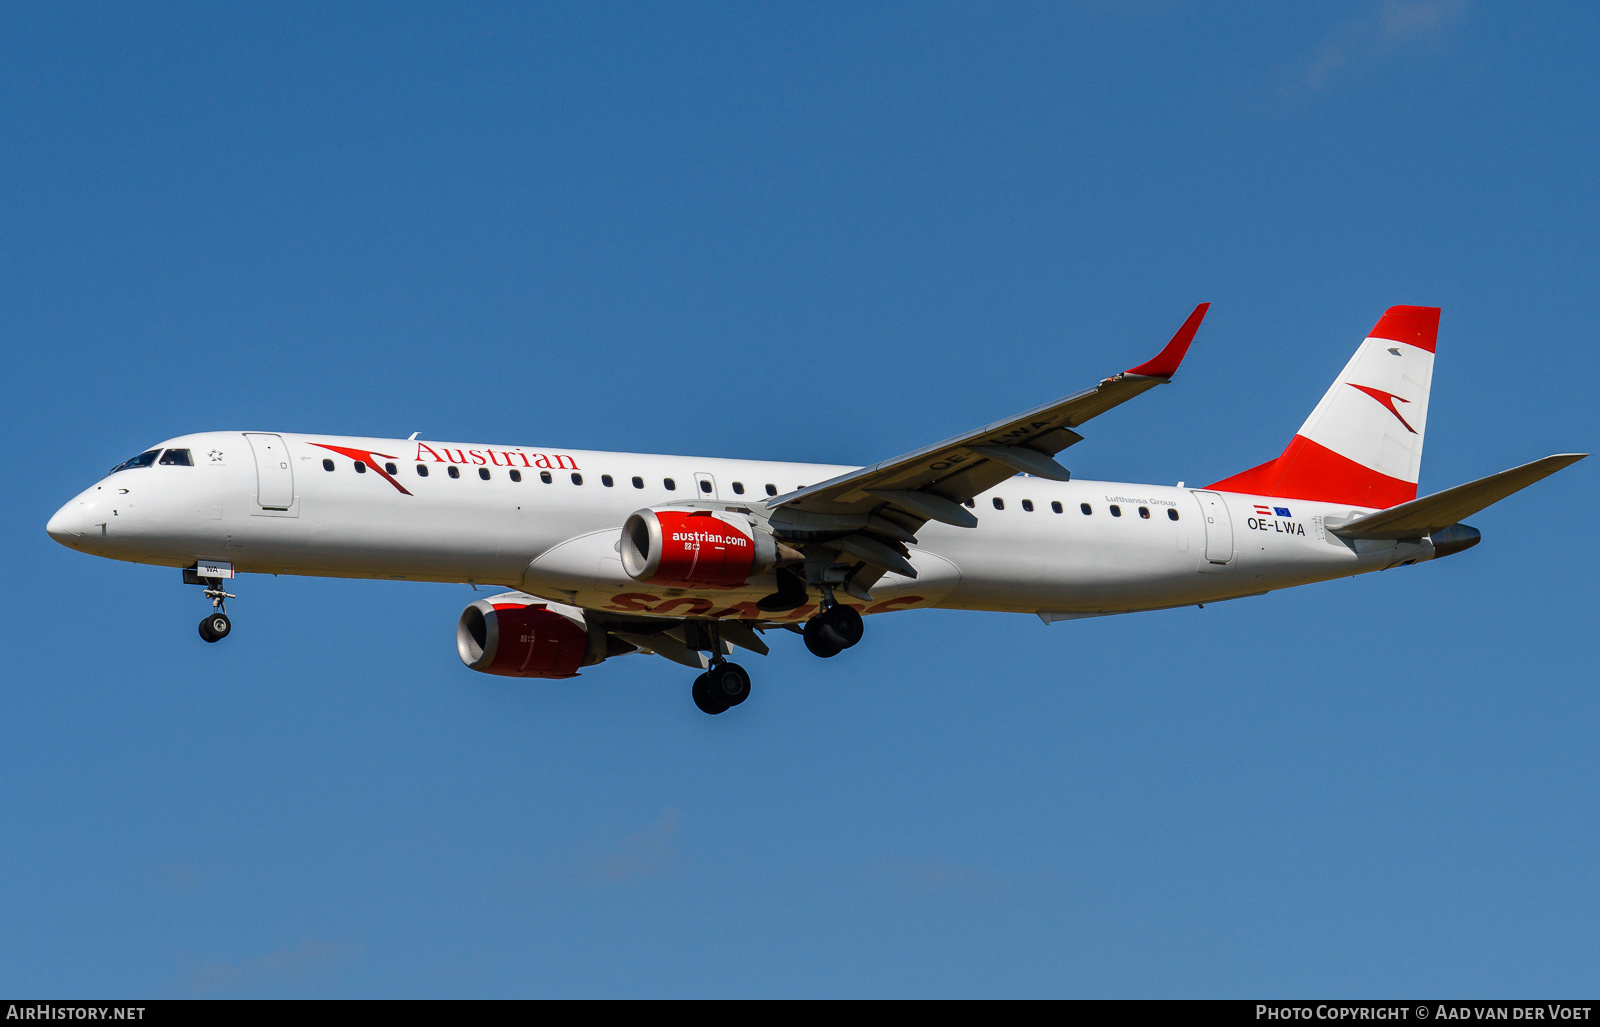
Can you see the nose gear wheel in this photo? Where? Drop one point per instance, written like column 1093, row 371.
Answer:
column 215, row 627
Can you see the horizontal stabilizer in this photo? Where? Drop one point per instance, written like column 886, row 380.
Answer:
column 1432, row 513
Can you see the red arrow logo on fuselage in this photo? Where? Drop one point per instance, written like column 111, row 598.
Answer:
column 1388, row 399
column 366, row 457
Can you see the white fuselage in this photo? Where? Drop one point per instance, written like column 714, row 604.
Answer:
column 265, row 503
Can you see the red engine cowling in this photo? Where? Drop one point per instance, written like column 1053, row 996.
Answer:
column 522, row 637
column 676, row 548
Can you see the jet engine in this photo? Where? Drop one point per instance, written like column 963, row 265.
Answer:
column 522, row 637
column 677, row 548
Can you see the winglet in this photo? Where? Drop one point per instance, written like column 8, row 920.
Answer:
column 1165, row 364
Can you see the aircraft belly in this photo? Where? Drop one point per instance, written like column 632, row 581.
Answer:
column 428, row 542
column 575, row 566
column 1089, row 567
column 608, row 588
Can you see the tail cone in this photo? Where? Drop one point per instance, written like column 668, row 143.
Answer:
column 1454, row 539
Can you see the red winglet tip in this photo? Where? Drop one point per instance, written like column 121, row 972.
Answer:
column 1165, row 364
column 1417, row 326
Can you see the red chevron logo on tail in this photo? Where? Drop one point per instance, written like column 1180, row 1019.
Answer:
column 1388, row 399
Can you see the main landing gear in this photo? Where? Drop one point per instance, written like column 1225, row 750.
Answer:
column 216, row 625
column 726, row 685
column 835, row 629
column 722, row 687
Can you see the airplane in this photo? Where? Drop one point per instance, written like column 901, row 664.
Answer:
column 611, row 554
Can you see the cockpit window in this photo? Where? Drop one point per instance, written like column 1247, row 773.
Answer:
column 144, row 459
column 176, row 458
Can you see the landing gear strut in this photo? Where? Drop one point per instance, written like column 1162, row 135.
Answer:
column 835, row 629
column 216, row 625
column 723, row 685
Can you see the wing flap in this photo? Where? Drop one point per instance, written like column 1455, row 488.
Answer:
column 928, row 506
column 665, row 646
column 1433, row 513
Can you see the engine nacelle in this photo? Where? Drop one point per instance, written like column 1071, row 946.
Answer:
column 677, row 548
column 522, row 637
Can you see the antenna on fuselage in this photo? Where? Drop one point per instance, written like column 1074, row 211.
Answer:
column 413, row 436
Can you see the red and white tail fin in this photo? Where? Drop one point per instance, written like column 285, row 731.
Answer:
column 1362, row 445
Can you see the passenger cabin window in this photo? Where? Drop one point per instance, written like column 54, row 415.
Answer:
column 1144, row 512
column 544, row 476
column 144, row 459
column 483, row 472
column 971, row 504
column 1116, row 511
column 671, row 485
column 577, row 479
column 453, row 471
column 327, row 465
column 1056, row 507
column 705, row 486
column 422, row 470
column 772, row 490
column 176, row 458
column 390, row 467
column 738, row 488
column 361, row 468
column 1172, row 514
column 1027, row 504
column 605, row 479
column 999, row 504
column 516, row 475
column 1086, row 508
column 638, row 482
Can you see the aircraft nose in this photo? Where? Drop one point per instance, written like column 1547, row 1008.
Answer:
column 68, row 523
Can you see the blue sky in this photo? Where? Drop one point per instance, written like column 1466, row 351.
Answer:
column 821, row 231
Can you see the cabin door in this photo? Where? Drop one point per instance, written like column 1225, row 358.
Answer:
column 1219, row 530
column 274, row 476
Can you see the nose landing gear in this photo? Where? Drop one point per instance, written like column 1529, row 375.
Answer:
column 216, row 625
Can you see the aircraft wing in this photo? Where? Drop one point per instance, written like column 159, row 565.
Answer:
column 932, row 483
column 1424, row 516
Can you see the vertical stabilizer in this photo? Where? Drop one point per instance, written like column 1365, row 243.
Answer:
column 1362, row 445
